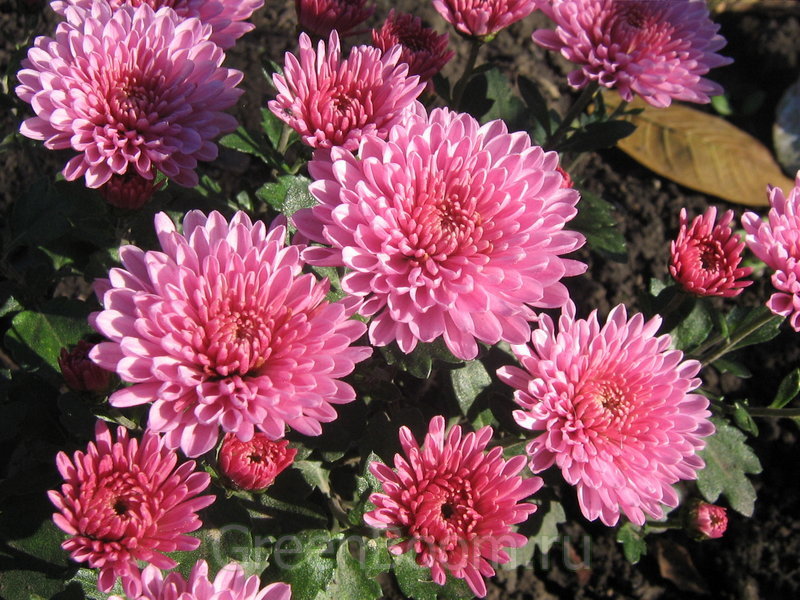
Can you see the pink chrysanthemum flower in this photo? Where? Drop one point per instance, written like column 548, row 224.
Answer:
column 255, row 464
column 124, row 501
column 616, row 410
column 453, row 503
column 777, row 243
column 229, row 584
column 321, row 17
column 222, row 329
column 659, row 49
column 483, row 18
column 424, row 51
column 449, row 228
column 706, row 255
column 131, row 90
column 334, row 102
column 224, row 16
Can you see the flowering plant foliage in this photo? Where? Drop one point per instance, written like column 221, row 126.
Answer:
column 342, row 328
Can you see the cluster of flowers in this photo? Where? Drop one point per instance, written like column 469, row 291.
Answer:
column 446, row 229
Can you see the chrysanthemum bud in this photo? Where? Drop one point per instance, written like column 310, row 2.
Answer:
column 706, row 521
column 254, row 465
column 79, row 372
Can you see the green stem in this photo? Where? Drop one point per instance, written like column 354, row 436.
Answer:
column 284, row 141
column 778, row 413
column 574, row 111
column 736, row 339
column 469, row 67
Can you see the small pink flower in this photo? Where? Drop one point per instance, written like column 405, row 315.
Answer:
column 449, row 229
column 124, row 501
column 224, row 16
column 254, row 465
column 616, row 410
column 130, row 191
column 659, row 49
column 321, row 17
column 483, row 18
column 452, row 502
column 80, row 373
column 223, row 330
column 567, row 181
column 229, row 584
column 424, row 51
column 706, row 256
column 131, row 90
column 777, row 243
column 334, row 102
column 707, row 521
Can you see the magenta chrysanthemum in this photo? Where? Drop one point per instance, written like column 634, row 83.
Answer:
column 225, row 16
column 131, row 90
column 321, row 17
column 229, row 584
column 123, row 501
column 706, row 255
column 222, row 329
column 449, row 229
column 334, row 102
column 616, row 410
column 659, row 49
column 424, row 51
column 483, row 18
column 452, row 502
column 777, row 243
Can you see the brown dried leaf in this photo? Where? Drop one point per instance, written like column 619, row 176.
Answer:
column 702, row 152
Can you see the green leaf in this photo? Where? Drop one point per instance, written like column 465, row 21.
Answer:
column 37, row 337
column 535, row 101
column 468, row 382
column 728, row 461
column 288, row 195
column 743, row 419
column 632, row 539
column 787, row 390
column 375, row 556
column 596, row 136
column 306, row 561
column 39, row 216
column 272, row 126
column 315, row 474
column 506, row 105
column 484, row 418
column 414, row 581
column 366, row 484
column 85, row 580
column 541, row 529
column 420, row 362
column 242, row 141
column 740, row 319
column 725, row 365
column 694, row 328
column 595, row 220
column 351, row 575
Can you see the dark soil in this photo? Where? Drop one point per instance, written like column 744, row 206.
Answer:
column 759, row 557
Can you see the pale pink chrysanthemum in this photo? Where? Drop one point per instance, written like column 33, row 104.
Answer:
column 705, row 256
column 332, row 101
column 453, row 502
column 424, row 51
column 777, row 243
column 321, row 17
column 130, row 90
column 616, row 410
column 230, row 583
column 223, row 330
column 449, row 228
column 254, row 465
column 124, row 501
column 658, row 49
column 483, row 18
column 226, row 17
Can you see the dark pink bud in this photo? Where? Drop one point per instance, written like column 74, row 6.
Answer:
column 254, row 465
column 80, row 373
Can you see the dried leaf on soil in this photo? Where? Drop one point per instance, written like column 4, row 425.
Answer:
column 702, row 152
